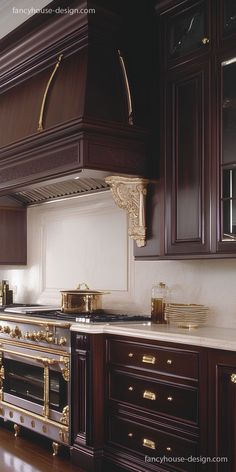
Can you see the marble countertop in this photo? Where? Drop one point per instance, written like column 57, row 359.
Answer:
column 208, row 336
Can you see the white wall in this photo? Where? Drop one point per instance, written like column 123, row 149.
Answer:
column 85, row 240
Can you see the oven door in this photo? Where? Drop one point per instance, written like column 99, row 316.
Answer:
column 36, row 381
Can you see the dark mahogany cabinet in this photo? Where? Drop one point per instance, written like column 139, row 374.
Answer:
column 196, row 125
column 13, row 235
column 222, row 410
column 155, row 405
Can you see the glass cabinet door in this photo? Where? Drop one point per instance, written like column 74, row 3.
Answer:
column 228, row 160
column 187, row 31
column 229, row 7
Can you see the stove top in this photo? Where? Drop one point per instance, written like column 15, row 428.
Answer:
column 52, row 314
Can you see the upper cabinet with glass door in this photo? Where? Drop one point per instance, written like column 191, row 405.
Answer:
column 227, row 225
column 188, row 32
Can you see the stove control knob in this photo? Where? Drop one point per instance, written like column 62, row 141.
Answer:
column 62, row 341
column 27, row 335
column 40, row 336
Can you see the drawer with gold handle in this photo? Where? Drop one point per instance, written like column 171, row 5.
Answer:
column 170, row 361
column 147, row 440
column 162, row 398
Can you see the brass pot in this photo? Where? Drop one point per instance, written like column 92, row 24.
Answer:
column 81, row 300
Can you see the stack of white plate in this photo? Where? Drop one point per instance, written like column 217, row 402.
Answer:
column 186, row 316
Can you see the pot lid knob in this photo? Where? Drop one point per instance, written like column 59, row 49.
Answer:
column 81, row 286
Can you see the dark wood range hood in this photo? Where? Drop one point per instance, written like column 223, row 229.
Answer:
column 66, row 102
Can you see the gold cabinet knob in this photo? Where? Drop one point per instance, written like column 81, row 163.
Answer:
column 169, row 449
column 233, row 378
column 130, row 435
column 205, row 41
column 131, row 388
column 169, row 398
column 169, row 361
column 130, row 354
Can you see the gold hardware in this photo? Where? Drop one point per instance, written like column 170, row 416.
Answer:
column 11, row 414
column 44, row 428
column 55, row 448
column 169, row 449
column 63, row 435
column 127, row 87
column 149, row 359
column 2, row 413
column 2, row 374
column 46, row 391
column 22, row 420
column 33, row 322
column 170, row 399
column 62, row 341
column 34, row 416
column 148, row 443
column 130, row 435
column 169, row 361
column 65, row 415
column 33, row 424
column 66, row 369
column 47, row 350
column 15, row 333
column 233, row 378
column 205, row 41
column 40, row 123
column 130, row 354
column 149, row 395
column 131, row 389
column 7, row 329
column 129, row 193
column 17, row 430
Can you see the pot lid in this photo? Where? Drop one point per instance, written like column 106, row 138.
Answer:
column 83, row 289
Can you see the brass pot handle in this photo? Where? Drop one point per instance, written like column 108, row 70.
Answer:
column 80, row 286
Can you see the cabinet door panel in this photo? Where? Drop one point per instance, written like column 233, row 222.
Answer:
column 187, row 202
column 222, row 408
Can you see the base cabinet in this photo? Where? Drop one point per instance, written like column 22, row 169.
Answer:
column 222, row 409
column 149, row 406
column 155, row 411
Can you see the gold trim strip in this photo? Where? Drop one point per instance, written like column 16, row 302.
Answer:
column 33, row 321
column 44, row 360
column 31, row 347
column 46, row 391
column 40, row 123
column 34, row 415
column 127, row 87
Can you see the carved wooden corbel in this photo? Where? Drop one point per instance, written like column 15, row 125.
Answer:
column 130, row 193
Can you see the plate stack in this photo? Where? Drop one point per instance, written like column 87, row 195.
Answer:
column 186, row 316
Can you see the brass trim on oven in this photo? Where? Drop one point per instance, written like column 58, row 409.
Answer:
column 32, row 347
column 46, row 389
column 38, row 322
column 44, row 360
column 34, row 415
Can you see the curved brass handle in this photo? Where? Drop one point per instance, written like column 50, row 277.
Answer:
column 233, row 378
column 40, row 123
column 205, row 41
column 80, row 286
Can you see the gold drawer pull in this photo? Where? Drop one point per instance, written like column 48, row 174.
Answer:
column 131, row 388
column 130, row 435
column 233, row 378
column 148, row 443
column 131, row 354
column 149, row 395
column 149, row 359
column 170, row 399
column 169, row 361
